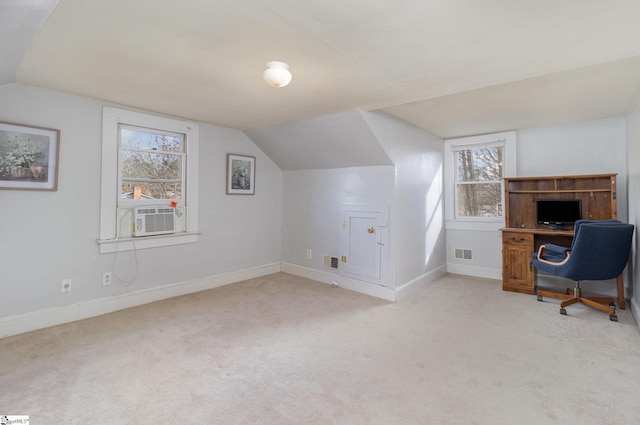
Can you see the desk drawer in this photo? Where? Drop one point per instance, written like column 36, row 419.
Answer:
column 517, row 238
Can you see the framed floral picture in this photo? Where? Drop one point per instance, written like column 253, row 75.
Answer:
column 241, row 174
column 28, row 157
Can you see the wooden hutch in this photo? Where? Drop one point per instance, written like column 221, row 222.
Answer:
column 523, row 235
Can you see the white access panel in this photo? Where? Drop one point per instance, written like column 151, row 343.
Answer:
column 363, row 253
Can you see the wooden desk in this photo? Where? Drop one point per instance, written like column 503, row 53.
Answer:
column 518, row 274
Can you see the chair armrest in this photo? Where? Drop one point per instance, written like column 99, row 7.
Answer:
column 554, row 248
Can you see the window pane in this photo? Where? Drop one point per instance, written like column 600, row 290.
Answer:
column 479, row 164
column 480, row 200
column 141, row 139
column 150, row 165
column 156, row 190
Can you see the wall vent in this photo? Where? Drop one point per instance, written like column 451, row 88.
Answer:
column 330, row 262
column 463, row 254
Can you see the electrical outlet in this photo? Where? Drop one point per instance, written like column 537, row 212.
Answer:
column 106, row 278
column 308, row 254
column 66, row 285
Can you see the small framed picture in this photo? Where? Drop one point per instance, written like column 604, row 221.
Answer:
column 28, row 157
column 241, row 174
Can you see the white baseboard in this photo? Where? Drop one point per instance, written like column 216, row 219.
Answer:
column 409, row 288
column 27, row 322
column 635, row 310
column 475, row 271
column 330, row 278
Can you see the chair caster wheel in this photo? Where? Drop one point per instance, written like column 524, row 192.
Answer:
column 539, row 297
column 563, row 311
column 613, row 318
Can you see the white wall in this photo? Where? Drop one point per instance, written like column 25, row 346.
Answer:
column 418, row 219
column 48, row 236
column 590, row 147
column 633, row 165
column 486, row 247
column 311, row 208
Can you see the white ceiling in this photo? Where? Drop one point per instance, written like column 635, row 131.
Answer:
column 454, row 67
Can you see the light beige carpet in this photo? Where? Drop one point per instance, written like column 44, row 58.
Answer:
column 285, row 350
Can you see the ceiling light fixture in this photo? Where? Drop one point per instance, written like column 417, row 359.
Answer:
column 277, row 74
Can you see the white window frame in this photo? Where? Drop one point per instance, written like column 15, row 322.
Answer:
column 110, row 240
column 122, row 202
column 452, row 146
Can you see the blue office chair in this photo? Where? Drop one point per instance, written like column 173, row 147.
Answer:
column 599, row 251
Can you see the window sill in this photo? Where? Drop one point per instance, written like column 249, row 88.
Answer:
column 128, row 244
column 476, row 225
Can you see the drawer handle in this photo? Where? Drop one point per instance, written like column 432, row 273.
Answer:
column 517, row 240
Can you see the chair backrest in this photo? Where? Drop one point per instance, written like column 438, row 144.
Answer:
column 603, row 222
column 600, row 249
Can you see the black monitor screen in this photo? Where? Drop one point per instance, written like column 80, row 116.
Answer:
column 558, row 211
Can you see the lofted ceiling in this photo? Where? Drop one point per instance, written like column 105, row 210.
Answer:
column 453, row 67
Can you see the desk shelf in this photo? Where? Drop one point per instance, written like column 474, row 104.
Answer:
column 562, row 191
column 597, row 192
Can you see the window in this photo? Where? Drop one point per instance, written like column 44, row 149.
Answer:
column 474, row 171
column 147, row 160
column 151, row 165
column 478, row 188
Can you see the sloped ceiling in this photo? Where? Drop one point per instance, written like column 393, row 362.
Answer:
column 337, row 140
column 599, row 91
column 453, row 67
column 20, row 21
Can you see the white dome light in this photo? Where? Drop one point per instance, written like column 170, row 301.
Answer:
column 277, row 74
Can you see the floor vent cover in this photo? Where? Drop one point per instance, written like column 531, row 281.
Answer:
column 330, row 262
column 463, row 254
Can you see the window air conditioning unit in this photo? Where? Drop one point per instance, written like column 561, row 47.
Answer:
column 153, row 220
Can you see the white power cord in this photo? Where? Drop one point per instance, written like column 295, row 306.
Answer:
column 135, row 253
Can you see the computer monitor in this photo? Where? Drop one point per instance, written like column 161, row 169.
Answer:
column 556, row 212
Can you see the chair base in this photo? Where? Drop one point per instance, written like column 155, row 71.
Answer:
column 573, row 296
